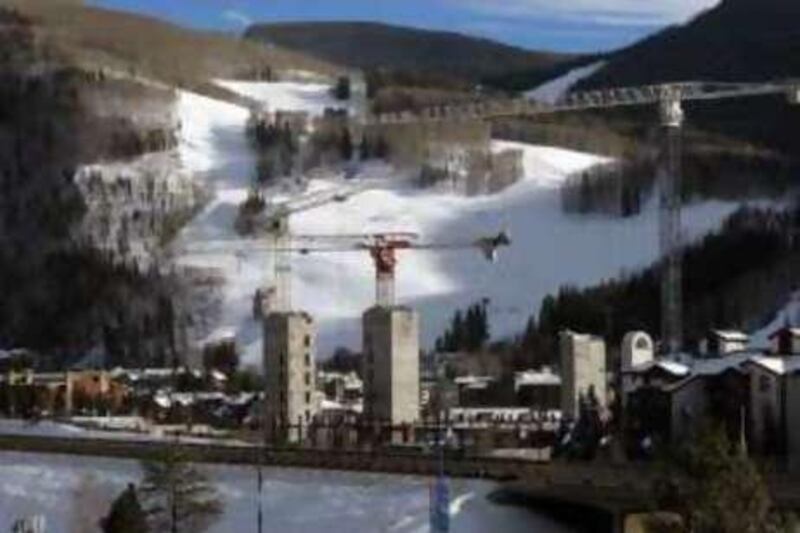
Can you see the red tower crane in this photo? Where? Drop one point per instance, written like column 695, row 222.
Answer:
column 383, row 249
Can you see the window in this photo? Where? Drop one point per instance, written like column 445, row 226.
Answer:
column 308, row 378
column 308, row 359
column 307, row 341
column 308, row 398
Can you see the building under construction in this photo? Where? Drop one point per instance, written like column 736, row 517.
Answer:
column 289, row 346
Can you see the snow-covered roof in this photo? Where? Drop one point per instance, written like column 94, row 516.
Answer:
column 218, row 376
column 162, row 401
column 533, row 378
column 794, row 332
column 669, row 366
column 718, row 365
column 331, row 405
column 776, row 364
column 220, row 335
column 490, row 410
column 731, row 335
column 474, row 382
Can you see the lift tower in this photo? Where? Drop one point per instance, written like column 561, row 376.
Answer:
column 670, row 231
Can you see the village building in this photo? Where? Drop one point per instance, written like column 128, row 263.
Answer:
column 583, row 372
column 755, row 394
column 538, row 389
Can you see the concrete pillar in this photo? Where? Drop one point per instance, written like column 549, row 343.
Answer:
column 391, row 365
column 289, row 366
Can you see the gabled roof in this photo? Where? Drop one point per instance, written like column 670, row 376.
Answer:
column 669, row 366
column 718, row 365
column 700, row 368
column 795, row 332
column 776, row 364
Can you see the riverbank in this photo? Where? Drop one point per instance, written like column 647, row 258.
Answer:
column 293, row 500
column 578, row 518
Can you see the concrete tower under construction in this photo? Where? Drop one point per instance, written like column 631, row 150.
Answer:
column 391, row 365
column 289, row 347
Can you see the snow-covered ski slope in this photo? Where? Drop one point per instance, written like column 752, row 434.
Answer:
column 550, row 248
column 551, row 91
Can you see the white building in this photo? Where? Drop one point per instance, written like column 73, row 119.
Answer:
column 583, row 371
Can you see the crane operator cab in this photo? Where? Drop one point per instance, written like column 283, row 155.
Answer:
column 490, row 245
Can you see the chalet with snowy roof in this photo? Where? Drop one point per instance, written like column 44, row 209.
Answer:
column 668, row 400
column 756, row 394
column 721, row 342
column 785, row 341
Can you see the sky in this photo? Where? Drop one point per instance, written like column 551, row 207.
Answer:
column 562, row 25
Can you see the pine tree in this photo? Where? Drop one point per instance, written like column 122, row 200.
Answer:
column 126, row 514
column 715, row 487
column 177, row 496
column 457, row 330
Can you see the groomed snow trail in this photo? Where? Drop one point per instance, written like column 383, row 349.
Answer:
column 551, row 91
column 550, row 248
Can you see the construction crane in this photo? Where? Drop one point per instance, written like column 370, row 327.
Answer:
column 273, row 224
column 383, row 248
column 669, row 98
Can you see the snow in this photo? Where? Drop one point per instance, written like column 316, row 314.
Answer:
column 550, row 248
column 313, row 98
column 731, row 335
column 113, row 428
column 555, row 89
column 672, row 367
column 789, row 314
column 542, row 377
column 77, row 491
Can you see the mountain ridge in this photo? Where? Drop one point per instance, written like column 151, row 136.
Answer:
column 372, row 45
column 738, row 40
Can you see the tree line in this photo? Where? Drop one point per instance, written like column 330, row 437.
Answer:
column 468, row 331
column 733, row 278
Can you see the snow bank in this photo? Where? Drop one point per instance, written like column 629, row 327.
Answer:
column 553, row 90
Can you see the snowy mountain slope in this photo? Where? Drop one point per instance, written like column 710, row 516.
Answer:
column 554, row 89
column 213, row 145
column 310, row 97
column 63, row 489
column 550, row 248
